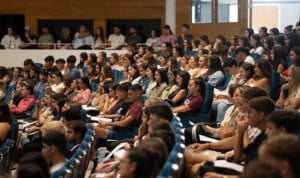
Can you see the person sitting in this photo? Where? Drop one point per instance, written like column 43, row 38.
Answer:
column 243, row 55
column 75, row 133
column 46, row 39
column 83, row 39
column 5, row 122
column 133, row 36
column 215, row 74
column 132, row 116
column 161, row 84
column 179, row 95
column 54, row 149
column 194, row 101
column 26, row 103
column 11, row 40
column 262, row 75
column 292, row 101
column 116, row 40
column 71, row 69
column 84, row 94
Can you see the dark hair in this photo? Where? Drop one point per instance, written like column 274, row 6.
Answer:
column 37, row 159
column 222, row 38
column 108, row 71
column 161, row 124
column 93, row 57
column 84, row 55
column 71, row 59
column 56, row 138
column 161, row 109
column 253, row 92
column 78, row 127
column 49, row 58
column 28, row 62
column 205, row 38
column 223, row 50
column 60, row 61
column 270, row 42
column 30, row 170
column 174, row 71
column 101, row 36
column 248, row 67
column 5, row 114
column 185, row 25
column 288, row 119
column 163, row 75
column 201, row 83
column 259, row 168
column 29, row 88
column 67, row 81
column 150, row 60
column 124, row 86
column 179, row 50
column 137, row 72
column 274, row 30
column 262, row 104
column 265, row 67
column 86, row 81
column 167, row 136
column 136, row 87
column 288, row 28
column 58, row 74
column 167, row 27
column 242, row 50
column 144, row 164
column 215, row 64
column 130, row 58
column 153, row 69
column 256, row 37
column 279, row 39
column 44, row 72
column 196, row 42
column 250, row 32
column 294, row 40
column 73, row 113
column 173, row 61
column 265, row 30
column 230, row 63
column 280, row 54
column 245, row 41
column 185, row 76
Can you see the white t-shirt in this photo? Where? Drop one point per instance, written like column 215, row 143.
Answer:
column 116, row 40
column 56, row 167
column 58, row 87
column 250, row 60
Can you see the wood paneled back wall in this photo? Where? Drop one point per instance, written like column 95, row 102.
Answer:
column 99, row 10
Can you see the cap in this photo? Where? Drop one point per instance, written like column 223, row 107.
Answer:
column 27, row 28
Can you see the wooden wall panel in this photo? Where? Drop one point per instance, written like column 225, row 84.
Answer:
column 99, row 10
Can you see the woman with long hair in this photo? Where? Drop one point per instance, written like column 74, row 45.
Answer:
column 278, row 56
column 215, row 74
column 262, row 75
column 161, row 80
column 100, row 40
column 292, row 101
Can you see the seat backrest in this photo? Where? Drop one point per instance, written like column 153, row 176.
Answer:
column 14, row 129
column 207, row 99
column 275, row 88
column 9, row 89
column 226, row 82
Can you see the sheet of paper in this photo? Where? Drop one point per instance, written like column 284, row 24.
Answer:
column 86, row 107
column 204, row 138
column 229, row 165
column 95, row 118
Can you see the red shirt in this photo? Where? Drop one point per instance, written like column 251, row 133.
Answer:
column 194, row 102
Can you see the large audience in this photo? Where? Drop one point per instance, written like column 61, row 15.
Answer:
column 253, row 114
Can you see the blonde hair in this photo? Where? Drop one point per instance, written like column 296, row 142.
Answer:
column 295, row 74
column 53, row 126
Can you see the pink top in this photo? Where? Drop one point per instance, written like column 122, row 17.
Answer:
column 83, row 96
column 167, row 38
column 24, row 105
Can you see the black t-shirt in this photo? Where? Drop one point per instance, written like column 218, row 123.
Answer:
column 251, row 151
column 25, row 40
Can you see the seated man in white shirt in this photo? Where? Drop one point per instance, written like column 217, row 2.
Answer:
column 243, row 55
column 116, row 40
column 54, row 148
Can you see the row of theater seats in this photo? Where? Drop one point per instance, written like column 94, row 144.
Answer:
column 173, row 166
column 77, row 165
column 5, row 154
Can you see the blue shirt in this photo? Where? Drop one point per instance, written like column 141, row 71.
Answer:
column 74, row 73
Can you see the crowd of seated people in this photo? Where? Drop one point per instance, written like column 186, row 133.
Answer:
column 136, row 97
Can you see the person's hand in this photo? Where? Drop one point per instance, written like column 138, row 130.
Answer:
column 198, row 147
column 242, row 125
column 47, row 89
column 212, row 175
column 229, row 155
column 285, row 86
column 103, row 124
column 106, row 167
